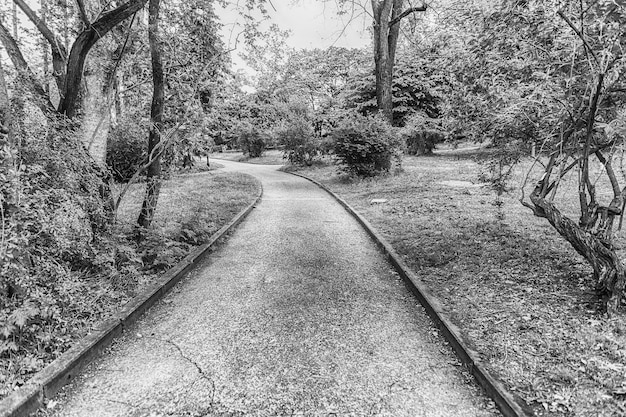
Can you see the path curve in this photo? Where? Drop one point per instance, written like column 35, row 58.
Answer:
column 297, row 314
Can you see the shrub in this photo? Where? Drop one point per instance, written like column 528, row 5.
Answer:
column 366, row 146
column 127, row 147
column 251, row 142
column 421, row 141
column 421, row 134
column 301, row 146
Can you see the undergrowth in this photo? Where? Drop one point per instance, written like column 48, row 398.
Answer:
column 65, row 265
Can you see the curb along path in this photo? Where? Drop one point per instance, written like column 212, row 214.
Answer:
column 46, row 383
column 510, row 404
column 298, row 313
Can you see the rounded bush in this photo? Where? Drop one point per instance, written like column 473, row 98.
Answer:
column 300, row 145
column 251, row 142
column 366, row 146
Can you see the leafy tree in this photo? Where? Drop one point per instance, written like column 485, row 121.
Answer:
column 415, row 90
column 551, row 74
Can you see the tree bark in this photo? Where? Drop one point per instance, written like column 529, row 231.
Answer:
column 387, row 17
column 70, row 102
column 153, row 180
column 608, row 269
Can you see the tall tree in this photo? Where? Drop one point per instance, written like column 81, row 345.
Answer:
column 153, row 182
column 387, row 17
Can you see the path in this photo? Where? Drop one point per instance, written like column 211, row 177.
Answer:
column 297, row 314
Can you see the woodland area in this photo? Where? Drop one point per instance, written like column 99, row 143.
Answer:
column 98, row 98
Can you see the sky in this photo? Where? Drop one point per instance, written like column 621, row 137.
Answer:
column 313, row 24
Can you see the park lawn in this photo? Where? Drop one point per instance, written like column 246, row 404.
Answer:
column 523, row 298
column 192, row 206
column 269, row 157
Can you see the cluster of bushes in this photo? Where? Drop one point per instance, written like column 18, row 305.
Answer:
column 362, row 146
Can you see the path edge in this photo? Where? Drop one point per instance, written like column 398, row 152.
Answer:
column 46, row 383
column 509, row 404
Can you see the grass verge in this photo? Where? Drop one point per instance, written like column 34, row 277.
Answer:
column 270, row 157
column 520, row 293
column 191, row 208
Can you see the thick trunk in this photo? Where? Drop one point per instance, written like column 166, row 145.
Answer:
column 387, row 17
column 153, row 182
column 382, row 59
column 608, row 270
column 69, row 104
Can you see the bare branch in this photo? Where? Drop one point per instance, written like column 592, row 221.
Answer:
column 580, row 35
column 20, row 64
column 407, row 12
column 45, row 31
column 83, row 12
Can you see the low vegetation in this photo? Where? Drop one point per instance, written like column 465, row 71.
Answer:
column 520, row 293
column 116, row 269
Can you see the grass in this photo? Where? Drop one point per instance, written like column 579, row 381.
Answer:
column 269, row 157
column 522, row 296
column 191, row 207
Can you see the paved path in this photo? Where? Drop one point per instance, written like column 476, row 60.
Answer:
column 297, row 314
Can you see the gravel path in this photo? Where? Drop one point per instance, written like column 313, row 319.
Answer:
column 297, row 314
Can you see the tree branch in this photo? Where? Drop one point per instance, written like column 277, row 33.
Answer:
column 83, row 12
column 407, row 12
column 59, row 53
column 85, row 41
column 580, row 35
column 24, row 71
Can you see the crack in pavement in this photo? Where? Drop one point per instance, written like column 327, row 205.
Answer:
column 201, row 372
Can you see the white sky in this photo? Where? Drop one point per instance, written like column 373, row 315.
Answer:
column 313, row 24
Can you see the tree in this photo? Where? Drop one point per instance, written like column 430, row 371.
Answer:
column 153, row 180
column 68, row 68
column 387, row 17
column 551, row 74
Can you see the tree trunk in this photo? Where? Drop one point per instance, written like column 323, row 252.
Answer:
column 24, row 71
column 153, row 180
column 44, row 46
column 387, row 17
column 69, row 104
column 607, row 267
column 383, row 64
column 7, row 150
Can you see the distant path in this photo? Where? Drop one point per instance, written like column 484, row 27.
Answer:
column 297, row 314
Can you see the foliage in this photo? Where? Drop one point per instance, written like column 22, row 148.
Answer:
column 366, row 146
column 300, row 145
column 51, row 239
column 126, row 149
column 416, row 87
column 421, row 134
column 251, row 141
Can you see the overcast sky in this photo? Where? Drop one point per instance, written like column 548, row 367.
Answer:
column 313, row 24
